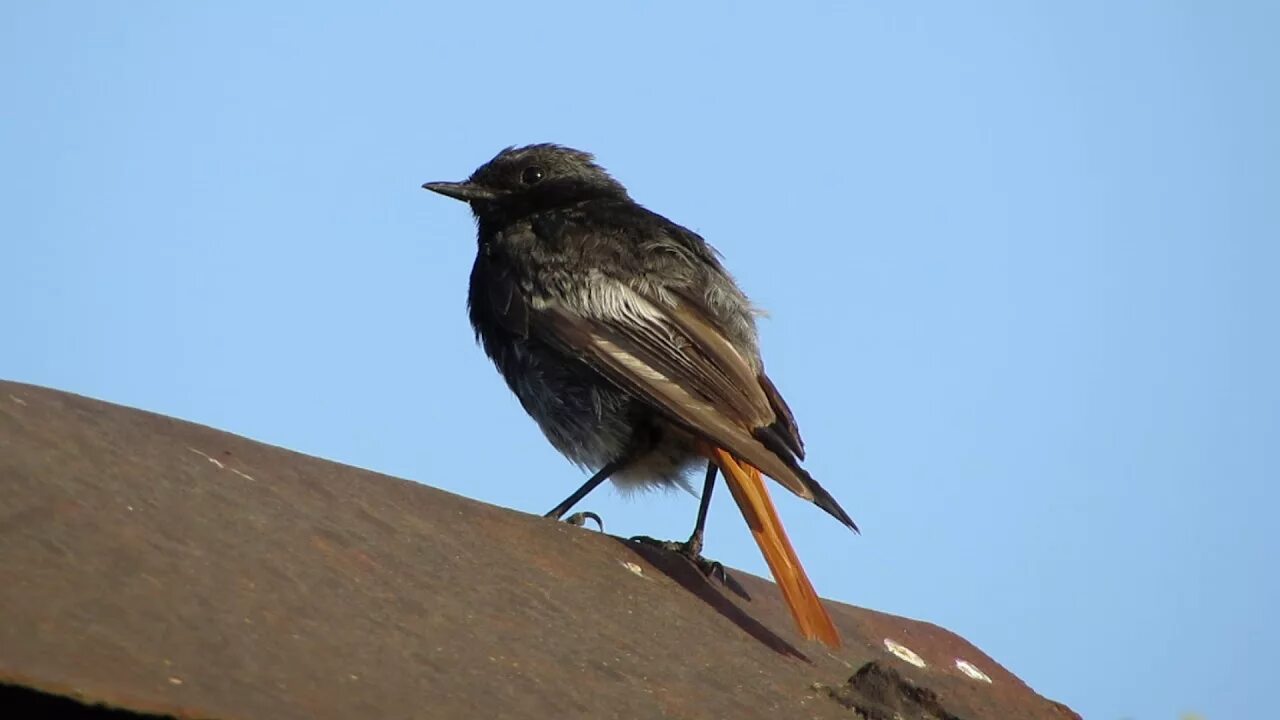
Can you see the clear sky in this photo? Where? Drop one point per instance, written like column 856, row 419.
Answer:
column 1021, row 260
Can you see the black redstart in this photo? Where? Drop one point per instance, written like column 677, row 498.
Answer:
column 628, row 342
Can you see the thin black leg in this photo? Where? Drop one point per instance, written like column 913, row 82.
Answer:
column 694, row 546
column 591, row 484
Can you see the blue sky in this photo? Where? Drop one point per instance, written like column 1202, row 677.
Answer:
column 1021, row 262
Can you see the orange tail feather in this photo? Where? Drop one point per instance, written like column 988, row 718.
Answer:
column 749, row 491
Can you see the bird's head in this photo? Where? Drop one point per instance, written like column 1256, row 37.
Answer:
column 533, row 177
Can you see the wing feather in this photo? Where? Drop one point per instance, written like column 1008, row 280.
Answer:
column 669, row 354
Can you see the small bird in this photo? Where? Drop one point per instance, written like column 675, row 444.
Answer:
column 630, row 345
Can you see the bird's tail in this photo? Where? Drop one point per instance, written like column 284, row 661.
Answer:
column 748, row 489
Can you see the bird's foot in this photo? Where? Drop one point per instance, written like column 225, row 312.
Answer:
column 579, row 519
column 692, row 551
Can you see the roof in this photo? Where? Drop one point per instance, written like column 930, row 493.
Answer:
column 161, row 566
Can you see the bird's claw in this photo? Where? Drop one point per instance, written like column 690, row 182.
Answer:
column 691, row 551
column 579, row 519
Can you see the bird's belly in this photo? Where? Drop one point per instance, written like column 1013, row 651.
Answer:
column 668, row 463
column 593, row 422
column 584, row 416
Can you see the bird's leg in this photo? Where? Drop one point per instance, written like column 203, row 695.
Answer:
column 592, row 483
column 692, row 549
column 641, row 443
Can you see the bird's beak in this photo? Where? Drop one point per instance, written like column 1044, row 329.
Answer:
column 465, row 191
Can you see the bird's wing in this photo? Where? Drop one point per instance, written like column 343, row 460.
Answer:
column 665, row 350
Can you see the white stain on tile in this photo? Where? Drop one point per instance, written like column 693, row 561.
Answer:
column 206, row 457
column 220, row 466
column 903, row 652
column 971, row 670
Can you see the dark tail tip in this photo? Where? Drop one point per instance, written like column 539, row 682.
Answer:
column 823, row 499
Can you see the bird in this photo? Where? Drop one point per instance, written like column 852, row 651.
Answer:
column 634, row 350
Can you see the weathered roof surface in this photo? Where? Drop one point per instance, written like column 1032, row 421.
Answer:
column 156, row 565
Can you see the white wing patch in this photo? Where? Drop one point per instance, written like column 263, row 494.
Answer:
column 630, row 361
column 607, row 299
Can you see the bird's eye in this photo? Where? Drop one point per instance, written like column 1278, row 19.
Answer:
column 531, row 175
